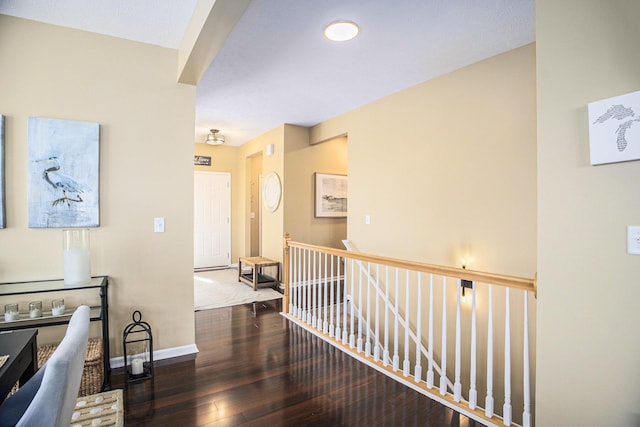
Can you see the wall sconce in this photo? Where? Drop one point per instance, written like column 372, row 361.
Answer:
column 465, row 284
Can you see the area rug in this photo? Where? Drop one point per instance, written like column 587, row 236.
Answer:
column 101, row 409
column 216, row 289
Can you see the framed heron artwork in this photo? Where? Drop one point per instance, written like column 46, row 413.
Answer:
column 63, row 173
column 3, row 223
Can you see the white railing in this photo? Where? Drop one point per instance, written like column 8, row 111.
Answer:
column 376, row 309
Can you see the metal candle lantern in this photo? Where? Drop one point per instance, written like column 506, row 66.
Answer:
column 137, row 342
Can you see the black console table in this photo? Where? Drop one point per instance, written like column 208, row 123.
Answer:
column 22, row 349
column 98, row 313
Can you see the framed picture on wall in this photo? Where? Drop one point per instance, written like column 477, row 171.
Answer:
column 614, row 129
column 2, row 210
column 330, row 195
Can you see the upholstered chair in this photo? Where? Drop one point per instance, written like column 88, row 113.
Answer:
column 49, row 397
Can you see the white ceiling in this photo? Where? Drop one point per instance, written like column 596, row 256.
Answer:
column 158, row 22
column 276, row 67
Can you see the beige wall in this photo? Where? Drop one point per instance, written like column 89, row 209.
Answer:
column 295, row 161
column 588, row 293
column 146, row 168
column 447, row 169
column 302, row 161
column 272, row 222
column 223, row 158
column 255, row 208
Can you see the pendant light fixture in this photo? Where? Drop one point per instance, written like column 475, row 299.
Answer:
column 214, row 137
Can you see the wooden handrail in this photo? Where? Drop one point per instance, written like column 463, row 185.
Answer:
column 476, row 276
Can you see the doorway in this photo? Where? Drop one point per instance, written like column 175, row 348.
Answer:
column 212, row 219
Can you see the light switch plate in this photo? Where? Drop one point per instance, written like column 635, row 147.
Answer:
column 633, row 240
column 158, row 225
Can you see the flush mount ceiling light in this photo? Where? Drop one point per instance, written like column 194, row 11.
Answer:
column 214, row 138
column 341, row 31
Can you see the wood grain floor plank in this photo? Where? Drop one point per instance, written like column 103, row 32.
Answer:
column 255, row 368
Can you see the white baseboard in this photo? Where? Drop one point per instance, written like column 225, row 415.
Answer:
column 165, row 353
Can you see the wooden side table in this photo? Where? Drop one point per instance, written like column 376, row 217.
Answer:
column 256, row 278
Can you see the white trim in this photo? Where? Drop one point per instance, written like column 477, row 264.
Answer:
column 165, row 353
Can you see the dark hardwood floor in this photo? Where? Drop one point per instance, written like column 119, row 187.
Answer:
column 255, row 368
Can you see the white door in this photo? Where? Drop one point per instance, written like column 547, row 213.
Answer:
column 212, row 219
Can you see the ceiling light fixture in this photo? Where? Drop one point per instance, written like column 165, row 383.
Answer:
column 341, row 31
column 214, row 138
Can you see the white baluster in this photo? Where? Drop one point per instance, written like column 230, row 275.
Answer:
column 325, row 323
column 303, row 283
column 319, row 283
column 457, row 386
column 526, row 415
column 385, row 354
column 352, row 336
column 406, row 366
column 299, row 285
column 506, row 408
column 290, row 308
column 345, row 305
column 488, row 402
column 309, row 291
column 360, row 305
column 418, row 368
column 319, row 318
column 430, row 341
column 314, row 290
column 318, row 290
column 367, row 345
column 332, row 300
column 443, row 368
column 338, row 288
column 376, row 349
column 292, row 281
column 473, row 393
column 302, row 262
column 396, row 357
